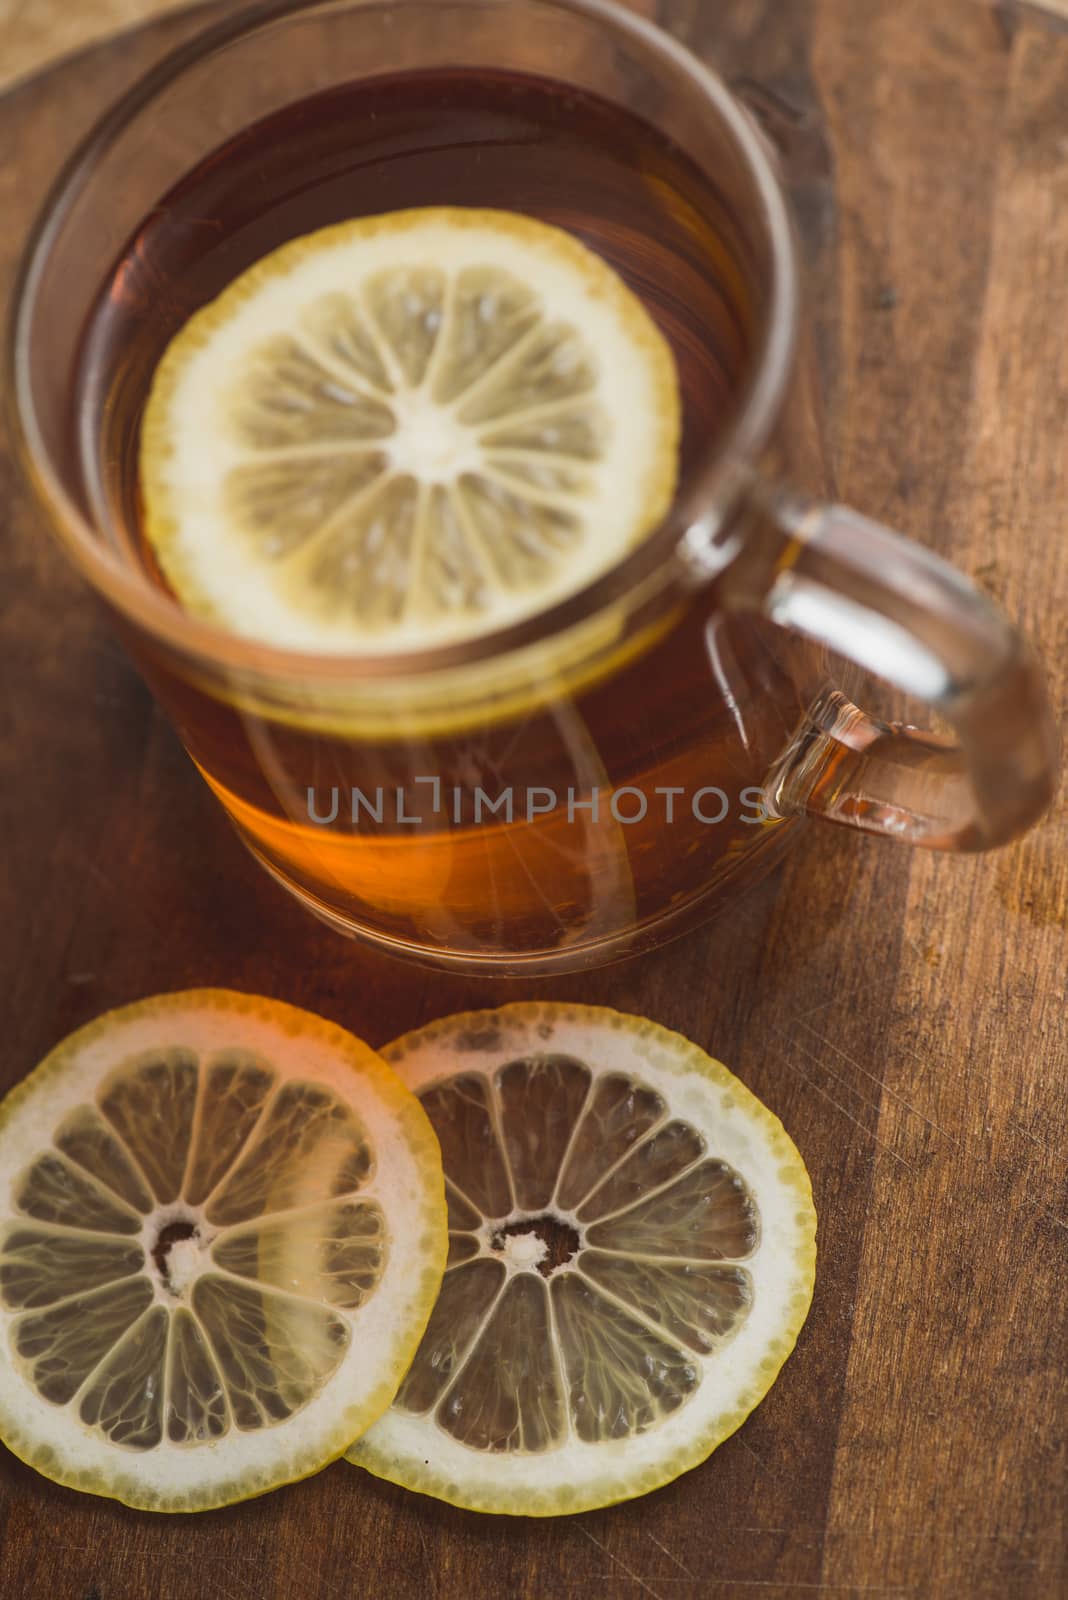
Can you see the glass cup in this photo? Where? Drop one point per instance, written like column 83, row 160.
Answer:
column 591, row 781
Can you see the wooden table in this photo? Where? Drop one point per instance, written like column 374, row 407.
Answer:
column 903, row 1013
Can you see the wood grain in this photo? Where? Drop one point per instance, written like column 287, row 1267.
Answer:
column 902, row 1013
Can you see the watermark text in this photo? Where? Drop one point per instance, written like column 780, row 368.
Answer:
column 428, row 801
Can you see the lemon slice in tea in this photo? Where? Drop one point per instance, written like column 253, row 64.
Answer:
column 222, row 1229
column 408, row 430
column 632, row 1256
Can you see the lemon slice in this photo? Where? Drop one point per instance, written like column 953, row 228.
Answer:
column 406, row 431
column 632, row 1256
column 222, row 1230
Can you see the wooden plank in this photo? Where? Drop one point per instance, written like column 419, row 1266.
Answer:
column 959, row 1324
column 903, row 1014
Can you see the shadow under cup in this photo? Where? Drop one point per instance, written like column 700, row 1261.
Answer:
column 589, row 781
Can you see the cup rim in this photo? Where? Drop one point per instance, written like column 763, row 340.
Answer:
column 155, row 612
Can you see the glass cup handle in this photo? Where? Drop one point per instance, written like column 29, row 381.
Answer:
column 899, row 612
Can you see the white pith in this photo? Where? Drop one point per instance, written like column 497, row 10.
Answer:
column 431, row 442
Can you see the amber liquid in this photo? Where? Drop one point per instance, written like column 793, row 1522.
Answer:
column 705, row 706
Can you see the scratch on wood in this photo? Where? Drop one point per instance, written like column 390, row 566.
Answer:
column 791, row 1584
column 1012, row 1122
column 956, row 1067
column 964, row 1070
column 885, row 1087
column 761, row 1463
column 874, row 1137
column 622, row 1565
column 811, row 1010
column 872, row 1105
column 1055, row 1155
column 836, row 996
column 101, row 877
column 680, row 1564
column 1043, row 1211
column 333, row 1587
column 866, row 1532
column 426, row 1553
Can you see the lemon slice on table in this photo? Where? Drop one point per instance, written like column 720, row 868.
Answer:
column 408, row 430
column 222, row 1229
column 632, row 1256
